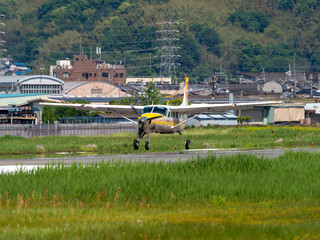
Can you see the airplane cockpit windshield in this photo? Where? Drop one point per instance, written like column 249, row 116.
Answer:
column 155, row 109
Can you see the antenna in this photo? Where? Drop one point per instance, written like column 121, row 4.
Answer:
column 98, row 52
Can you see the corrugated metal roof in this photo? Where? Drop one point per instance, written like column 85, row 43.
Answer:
column 312, row 106
column 15, row 95
column 21, row 78
column 216, row 116
column 21, row 99
column 71, row 85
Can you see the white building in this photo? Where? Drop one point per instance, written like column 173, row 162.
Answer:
column 31, row 84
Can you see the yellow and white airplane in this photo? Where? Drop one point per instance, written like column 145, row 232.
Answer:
column 161, row 118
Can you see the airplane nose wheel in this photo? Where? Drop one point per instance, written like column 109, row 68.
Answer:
column 147, row 145
column 136, row 144
column 187, row 144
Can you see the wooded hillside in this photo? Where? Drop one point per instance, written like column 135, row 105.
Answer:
column 248, row 35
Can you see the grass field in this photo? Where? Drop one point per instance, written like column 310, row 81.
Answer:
column 232, row 197
column 211, row 137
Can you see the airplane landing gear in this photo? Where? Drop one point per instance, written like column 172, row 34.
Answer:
column 136, row 144
column 147, row 145
column 186, row 143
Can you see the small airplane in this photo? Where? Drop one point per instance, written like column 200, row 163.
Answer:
column 162, row 119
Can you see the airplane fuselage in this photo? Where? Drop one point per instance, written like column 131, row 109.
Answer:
column 163, row 120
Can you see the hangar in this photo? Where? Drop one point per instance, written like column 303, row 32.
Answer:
column 33, row 84
column 93, row 89
column 273, row 87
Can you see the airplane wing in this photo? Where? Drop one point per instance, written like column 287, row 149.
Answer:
column 120, row 109
column 202, row 108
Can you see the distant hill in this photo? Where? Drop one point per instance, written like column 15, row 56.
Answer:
column 243, row 35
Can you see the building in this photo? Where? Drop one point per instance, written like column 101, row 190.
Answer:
column 312, row 113
column 145, row 80
column 21, row 108
column 30, row 84
column 93, row 89
column 273, row 87
column 275, row 114
column 213, row 119
column 84, row 69
column 10, row 68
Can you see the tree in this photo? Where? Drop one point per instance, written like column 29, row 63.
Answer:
column 210, row 38
column 48, row 114
column 250, row 56
column 51, row 114
column 132, row 100
column 315, row 61
column 286, row 4
column 249, row 20
column 202, row 72
column 151, row 96
column 190, row 53
column 173, row 102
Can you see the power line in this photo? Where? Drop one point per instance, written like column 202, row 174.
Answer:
column 144, row 66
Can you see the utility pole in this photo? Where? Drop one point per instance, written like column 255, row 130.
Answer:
column 220, row 59
column 2, row 42
column 241, row 94
column 213, row 85
column 311, row 79
column 150, row 65
column 168, row 56
column 294, row 75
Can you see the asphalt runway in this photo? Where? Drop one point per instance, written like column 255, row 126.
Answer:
column 150, row 157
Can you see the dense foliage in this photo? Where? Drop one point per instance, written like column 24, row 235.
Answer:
column 246, row 35
column 251, row 21
column 51, row 114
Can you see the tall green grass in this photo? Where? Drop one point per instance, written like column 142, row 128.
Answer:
column 236, row 178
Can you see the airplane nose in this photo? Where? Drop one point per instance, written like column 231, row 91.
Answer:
column 144, row 119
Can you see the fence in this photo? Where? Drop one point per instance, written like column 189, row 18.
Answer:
column 25, row 130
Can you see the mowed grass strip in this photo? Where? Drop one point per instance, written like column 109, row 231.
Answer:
column 205, row 220
column 202, row 137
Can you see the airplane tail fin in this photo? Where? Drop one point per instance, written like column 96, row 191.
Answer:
column 185, row 95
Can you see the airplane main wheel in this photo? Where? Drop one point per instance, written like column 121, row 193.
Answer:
column 147, row 145
column 187, row 144
column 136, row 144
